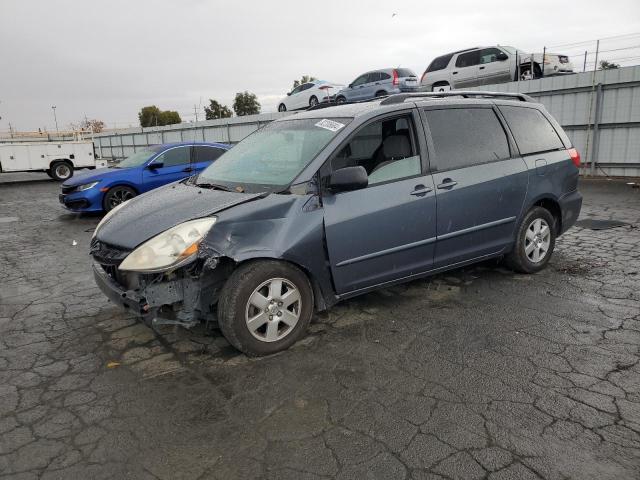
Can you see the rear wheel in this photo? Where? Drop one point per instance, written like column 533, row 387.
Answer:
column 381, row 93
column 535, row 241
column 441, row 87
column 282, row 107
column 265, row 307
column 117, row 195
column 313, row 101
column 527, row 74
column 61, row 171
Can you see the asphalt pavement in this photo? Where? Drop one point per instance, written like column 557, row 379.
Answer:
column 475, row 373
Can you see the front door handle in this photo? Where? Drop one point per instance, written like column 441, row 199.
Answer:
column 420, row 191
column 481, row 68
column 454, row 73
column 447, row 184
column 188, row 169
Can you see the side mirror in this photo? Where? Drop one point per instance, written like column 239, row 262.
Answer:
column 501, row 57
column 348, row 178
column 288, row 94
column 154, row 165
column 351, row 85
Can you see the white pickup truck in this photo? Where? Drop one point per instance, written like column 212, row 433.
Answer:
column 57, row 159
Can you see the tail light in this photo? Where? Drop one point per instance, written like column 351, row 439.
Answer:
column 423, row 75
column 575, row 157
column 396, row 81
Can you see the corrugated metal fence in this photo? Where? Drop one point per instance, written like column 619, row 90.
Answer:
column 600, row 112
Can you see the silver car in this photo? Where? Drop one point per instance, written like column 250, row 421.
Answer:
column 378, row 83
column 488, row 65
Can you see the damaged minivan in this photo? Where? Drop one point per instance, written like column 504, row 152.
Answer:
column 334, row 202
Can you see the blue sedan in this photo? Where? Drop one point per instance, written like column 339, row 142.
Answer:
column 105, row 188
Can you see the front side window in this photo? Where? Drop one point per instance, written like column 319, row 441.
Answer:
column 385, row 148
column 463, row 137
column 271, row 158
column 439, row 63
column 468, row 59
column 488, row 55
column 175, row 156
column 360, row 80
column 531, row 130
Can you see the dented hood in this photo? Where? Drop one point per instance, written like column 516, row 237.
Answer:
column 146, row 216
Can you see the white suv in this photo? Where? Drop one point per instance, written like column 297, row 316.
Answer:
column 489, row 65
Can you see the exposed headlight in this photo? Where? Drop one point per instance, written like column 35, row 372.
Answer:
column 107, row 217
column 172, row 248
column 86, row 186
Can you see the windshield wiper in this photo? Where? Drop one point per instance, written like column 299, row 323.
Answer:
column 215, row 186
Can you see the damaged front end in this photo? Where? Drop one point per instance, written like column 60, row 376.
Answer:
column 183, row 296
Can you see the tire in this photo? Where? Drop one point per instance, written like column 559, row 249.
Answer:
column 533, row 248
column 117, row 195
column 61, row 171
column 381, row 93
column 341, row 99
column 48, row 172
column 282, row 107
column 525, row 72
column 313, row 101
column 256, row 283
column 437, row 86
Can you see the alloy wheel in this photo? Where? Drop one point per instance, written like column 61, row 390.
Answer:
column 537, row 240
column 273, row 310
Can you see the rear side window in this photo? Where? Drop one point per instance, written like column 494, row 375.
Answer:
column 439, row 63
column 468, row 59
column 532, row 130
column 405, row 72
column 463, row 137
column 206, row 154
column 373, row 77
column 384, row 76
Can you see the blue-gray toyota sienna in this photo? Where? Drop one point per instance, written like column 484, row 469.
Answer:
column 333, row 202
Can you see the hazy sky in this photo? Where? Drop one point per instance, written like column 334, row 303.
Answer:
column 107, row 59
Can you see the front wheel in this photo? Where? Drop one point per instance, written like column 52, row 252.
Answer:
column 341, row 99
column 117, row 195
column 535, row 241
column 265, row 307
column 282, row 107
column 313, row 101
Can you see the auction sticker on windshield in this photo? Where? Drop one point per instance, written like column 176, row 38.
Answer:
column 329, row 125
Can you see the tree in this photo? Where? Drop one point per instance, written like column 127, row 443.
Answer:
column 169, row 117
column 246, row 103
column 151, row 116
column 304, row 79
column 93, row 125
column 216, row 110
column 605, row 65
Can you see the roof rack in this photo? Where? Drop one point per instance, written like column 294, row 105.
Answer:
column 320, row 106
column 401, row 97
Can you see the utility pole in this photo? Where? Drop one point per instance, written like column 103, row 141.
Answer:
column 56, row 119
column 195, row 111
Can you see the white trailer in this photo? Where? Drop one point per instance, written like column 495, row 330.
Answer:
column 57, row 159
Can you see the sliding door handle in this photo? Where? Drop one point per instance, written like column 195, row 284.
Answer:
column 447, row 184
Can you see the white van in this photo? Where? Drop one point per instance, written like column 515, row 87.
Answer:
column 57, row 159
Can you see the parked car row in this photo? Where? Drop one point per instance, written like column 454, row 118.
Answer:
column 335, row 202
column 103, row 189
column 466, row 68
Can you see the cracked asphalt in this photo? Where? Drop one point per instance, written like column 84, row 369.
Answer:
column 476, row 373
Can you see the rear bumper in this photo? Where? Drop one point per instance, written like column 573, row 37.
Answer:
column 570, row 205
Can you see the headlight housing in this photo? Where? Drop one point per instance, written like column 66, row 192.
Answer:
column 107, row 217
column 170, row 249
column 86, row 186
